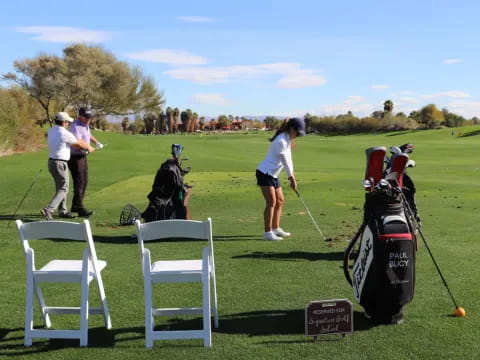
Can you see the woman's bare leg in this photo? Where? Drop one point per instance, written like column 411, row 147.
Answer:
column 269, row 194
column 277, row 211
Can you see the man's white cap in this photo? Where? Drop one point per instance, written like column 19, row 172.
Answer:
column 63, row 116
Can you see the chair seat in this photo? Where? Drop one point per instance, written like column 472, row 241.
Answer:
column 177, row 267
column 67, row 267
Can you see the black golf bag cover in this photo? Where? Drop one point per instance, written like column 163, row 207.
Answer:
column 167, row 195
column 383, row 275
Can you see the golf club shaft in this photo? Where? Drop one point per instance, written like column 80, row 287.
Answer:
column 310, row 214
column 428, row 249
column 24, row 196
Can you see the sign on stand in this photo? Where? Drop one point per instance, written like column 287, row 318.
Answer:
column 328, row 317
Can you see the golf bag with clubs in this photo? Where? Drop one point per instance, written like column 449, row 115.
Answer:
column 383, row 271
column 168, row 199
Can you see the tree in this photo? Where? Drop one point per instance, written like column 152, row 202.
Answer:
column 223, row 122
column 125, row 123
column 149, row 120
column 176, row 114
column 201, row 122
column 377, row 114
column 44, row 80
column 186, row 118
column 86, row 76
column 388, row 106
column 137, row 127
column 451, row 119
column 161, row 125
column 430, row 116
column 271, row 122
column 19, row 114
column 170, row 120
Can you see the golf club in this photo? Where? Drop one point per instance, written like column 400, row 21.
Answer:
column 311, row 217
column 428, row 248
column 24, row 196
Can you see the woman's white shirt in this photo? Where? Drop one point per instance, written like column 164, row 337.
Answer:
column 279, row 156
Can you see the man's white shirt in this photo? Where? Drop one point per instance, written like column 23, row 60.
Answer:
column 59, row 141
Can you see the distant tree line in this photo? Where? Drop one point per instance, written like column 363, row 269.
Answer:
column 428, row 117
column 172, row 120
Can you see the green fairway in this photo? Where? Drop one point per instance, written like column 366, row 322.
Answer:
column 263, row 287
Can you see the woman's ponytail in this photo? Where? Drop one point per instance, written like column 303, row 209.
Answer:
column 281, row 129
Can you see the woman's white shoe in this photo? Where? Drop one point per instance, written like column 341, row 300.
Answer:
column 270, row 236
column 281, row 233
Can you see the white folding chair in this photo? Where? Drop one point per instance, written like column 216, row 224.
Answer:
column 176, row 271
column 68, row 271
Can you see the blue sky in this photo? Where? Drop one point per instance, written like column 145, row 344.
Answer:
column 271, row 57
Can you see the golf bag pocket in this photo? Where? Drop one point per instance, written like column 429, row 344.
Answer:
column 399, row 259
column 383, row 275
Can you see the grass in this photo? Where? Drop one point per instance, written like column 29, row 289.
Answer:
column 263, row 287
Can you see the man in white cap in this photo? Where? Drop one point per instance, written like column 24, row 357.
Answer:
column 59, row 142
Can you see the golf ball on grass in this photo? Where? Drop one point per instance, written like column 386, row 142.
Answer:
column 459, row 312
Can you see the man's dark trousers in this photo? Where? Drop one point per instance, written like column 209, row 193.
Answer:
column 79, row 169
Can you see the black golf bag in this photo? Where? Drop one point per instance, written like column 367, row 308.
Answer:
column 383, row 271
column 168, row 198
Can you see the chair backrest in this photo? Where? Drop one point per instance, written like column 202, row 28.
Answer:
column 164, row 229
column 41, row 230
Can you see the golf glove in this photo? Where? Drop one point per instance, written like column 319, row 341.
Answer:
column 99, row 145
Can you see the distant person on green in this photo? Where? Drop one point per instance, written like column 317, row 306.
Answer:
column 59, row 142
column 279, row 157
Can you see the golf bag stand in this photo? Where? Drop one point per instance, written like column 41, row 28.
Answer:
column 383, row 271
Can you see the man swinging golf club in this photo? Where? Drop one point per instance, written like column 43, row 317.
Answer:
column 279, row 156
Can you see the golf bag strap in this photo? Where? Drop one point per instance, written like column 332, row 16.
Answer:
column 348, row 250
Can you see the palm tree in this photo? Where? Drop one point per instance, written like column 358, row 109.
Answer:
column 176, row 114
column 170, row 122
column 388, row 106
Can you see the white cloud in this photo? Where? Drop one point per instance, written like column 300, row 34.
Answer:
column 63, row 34
column 465, row 108
column 380, row 87
column 452, row 93
column 408, row 100
column 452, row 61
column 354, row 103
column 211, row 99
column 292, row 75
column 194, row 19
column 172, row 57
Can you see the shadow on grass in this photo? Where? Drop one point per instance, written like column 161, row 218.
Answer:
column 97, row 338
column 264, row 323
column 401, row 133
column 292, row 256
column 132, row 239
column 254, row 323
column 471, row 133
column 23, row 217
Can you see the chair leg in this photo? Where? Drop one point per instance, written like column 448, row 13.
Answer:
column 207, row 326
column 41, row 302
column 29, row 310
column 84, row 311
column 149, row 321
column 103, row 299
column 215, row 305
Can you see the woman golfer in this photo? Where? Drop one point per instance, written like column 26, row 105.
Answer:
column 279, row 157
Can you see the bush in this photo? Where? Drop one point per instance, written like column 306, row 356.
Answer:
column 18, row 117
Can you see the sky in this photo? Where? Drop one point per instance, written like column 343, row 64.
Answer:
column 281, row 58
